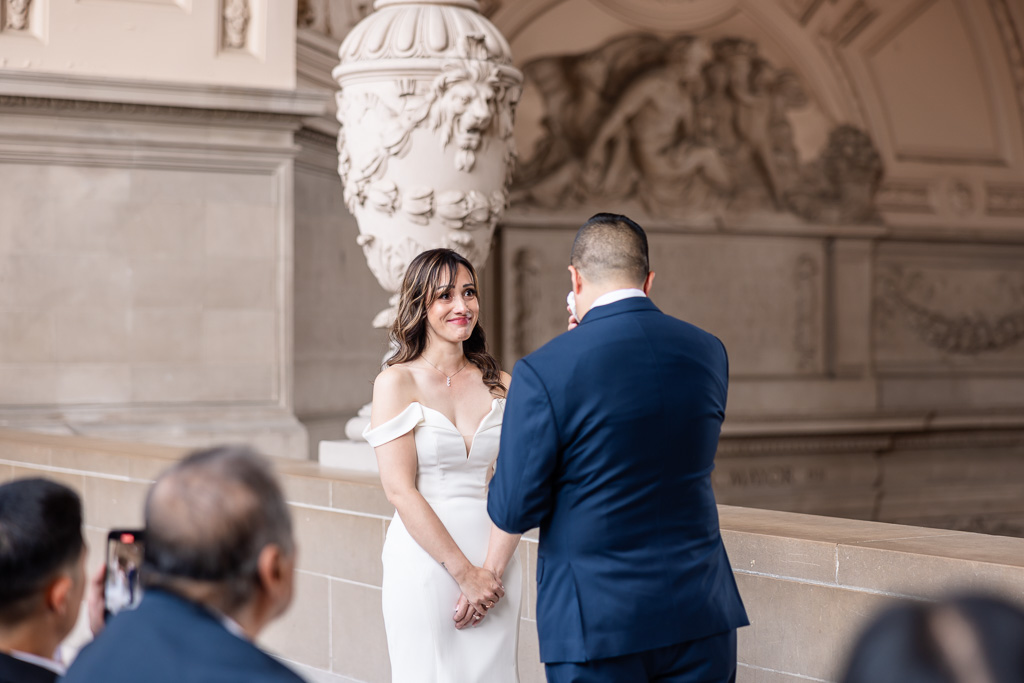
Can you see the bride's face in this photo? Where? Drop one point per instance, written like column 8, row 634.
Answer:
column 453, row 314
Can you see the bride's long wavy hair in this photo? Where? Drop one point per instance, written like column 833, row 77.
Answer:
column 428, row 275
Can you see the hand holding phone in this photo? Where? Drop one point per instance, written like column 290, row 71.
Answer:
column 570, row 303
column 121, row 588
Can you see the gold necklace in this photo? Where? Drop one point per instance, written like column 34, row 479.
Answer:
column 446, row 376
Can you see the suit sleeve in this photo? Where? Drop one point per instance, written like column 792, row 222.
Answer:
column 521, row 493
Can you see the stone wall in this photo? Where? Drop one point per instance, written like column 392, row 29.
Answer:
column 809, row 583
column 146, row 259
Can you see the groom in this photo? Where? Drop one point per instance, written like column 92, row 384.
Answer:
column 609, row 439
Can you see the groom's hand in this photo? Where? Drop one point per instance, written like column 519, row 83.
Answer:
column 573, row 322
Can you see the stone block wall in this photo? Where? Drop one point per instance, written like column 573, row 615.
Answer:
column 146, row 259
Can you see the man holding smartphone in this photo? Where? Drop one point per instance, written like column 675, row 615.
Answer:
column 42, row 577
column 218, row 567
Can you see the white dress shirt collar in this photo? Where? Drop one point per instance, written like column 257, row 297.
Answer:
column 36, row 660
column 616, row 295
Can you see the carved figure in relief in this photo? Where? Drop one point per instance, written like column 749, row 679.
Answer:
column 654, row 126
column 236, row 21
column 683, row 130
column 17, row 14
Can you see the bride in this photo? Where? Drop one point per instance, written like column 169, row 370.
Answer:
column 435, row 427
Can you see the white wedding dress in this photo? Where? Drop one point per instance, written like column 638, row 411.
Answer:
column 419, row 596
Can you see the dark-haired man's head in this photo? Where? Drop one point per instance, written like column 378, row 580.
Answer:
column 609, row 253
column 42, row 565
column 218, row 532
column 968, row 639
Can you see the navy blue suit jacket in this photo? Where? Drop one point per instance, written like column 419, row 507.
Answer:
column 16, row 671
column 608, row 443
column 170, row 640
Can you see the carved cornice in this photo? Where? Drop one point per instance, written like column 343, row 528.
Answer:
column 118, row 92
column 119, row 109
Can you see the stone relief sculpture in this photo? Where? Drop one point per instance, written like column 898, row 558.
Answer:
column 333, row 18
column 236, row 22
column 910, row 295
column 426, row 148
column 17, row 14
column 685, row 127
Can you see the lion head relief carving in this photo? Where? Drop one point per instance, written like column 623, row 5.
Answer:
column 465, row 106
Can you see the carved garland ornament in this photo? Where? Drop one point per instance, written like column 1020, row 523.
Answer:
column 964, row 334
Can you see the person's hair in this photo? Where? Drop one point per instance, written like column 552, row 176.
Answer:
column 429, row 275
column 610, row 245
column 207, row 520
column 40, row 535
column 969, row 639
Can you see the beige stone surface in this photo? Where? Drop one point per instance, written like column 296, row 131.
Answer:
column 304, row 632
column 359, row 644
column 346, row 546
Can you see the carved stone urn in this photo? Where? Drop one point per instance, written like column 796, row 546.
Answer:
column 426, row 102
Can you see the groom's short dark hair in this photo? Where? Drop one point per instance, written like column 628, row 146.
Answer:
column 610, row 245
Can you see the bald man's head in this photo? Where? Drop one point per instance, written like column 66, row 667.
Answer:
column 209, row 517
column 611, row 248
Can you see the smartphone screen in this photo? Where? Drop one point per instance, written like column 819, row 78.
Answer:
column 122, row 589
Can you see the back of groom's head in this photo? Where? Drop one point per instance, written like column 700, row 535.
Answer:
column 41, row 551
column 217, row 529
column 611, row 247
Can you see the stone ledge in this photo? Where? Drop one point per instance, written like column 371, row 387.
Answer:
column 42, row 87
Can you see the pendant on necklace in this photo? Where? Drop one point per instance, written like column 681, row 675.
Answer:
column 449, row 380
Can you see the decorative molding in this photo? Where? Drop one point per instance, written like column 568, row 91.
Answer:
column 1004, row 200
column 685, row 15
column 135, row 110
column 960, row 197
column 807, row 324
column 16, row 14
column 842, row 443
column 236, row 17
column 316, row 138
column 1014, row 47
column 688, row 130
column 959, row 334
column 910, row 196
column 858, row 17
column 527, row 268
column 332, row 18
column 389, row 36
column 39, row 86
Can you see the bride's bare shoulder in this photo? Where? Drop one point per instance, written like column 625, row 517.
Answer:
column 394, row 384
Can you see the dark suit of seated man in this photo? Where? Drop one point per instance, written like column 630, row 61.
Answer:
column 42, row 576
column 218, row 566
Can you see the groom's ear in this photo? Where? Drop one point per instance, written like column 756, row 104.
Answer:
column 576, row 280
column 648, row 283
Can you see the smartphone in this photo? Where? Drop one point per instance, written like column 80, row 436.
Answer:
column 570, row 300
column 121, row 589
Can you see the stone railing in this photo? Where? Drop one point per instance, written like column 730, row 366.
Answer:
column 809, row 582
